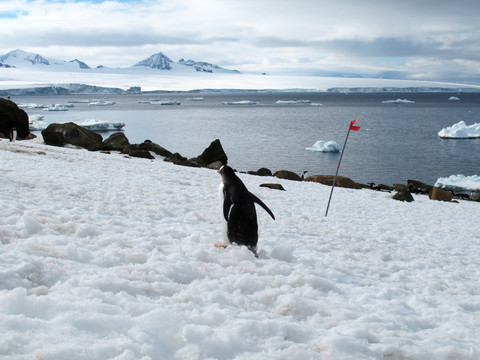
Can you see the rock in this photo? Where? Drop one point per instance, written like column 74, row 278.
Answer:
column 439, row 194
column 73, row 134
column 148, row 145
column 261, row 172
column 288, row 175
column 198, row 161
column 273, row 186
column 178, row 159
column 214, row 153
column 141, row 154
column 11, row 116
column 342, row 181
column 402, row 193
column 418, row 187
column 116, row 142
column 380, row 187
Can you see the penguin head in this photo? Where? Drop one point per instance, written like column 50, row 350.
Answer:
column 227, row 174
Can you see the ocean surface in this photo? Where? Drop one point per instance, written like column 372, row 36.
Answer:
column 397, row 140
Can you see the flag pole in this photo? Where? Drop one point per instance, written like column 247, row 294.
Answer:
column 351, row 127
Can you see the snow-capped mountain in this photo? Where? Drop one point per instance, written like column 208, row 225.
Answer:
column 159, row 61
column 23, row 59
column 203, row 66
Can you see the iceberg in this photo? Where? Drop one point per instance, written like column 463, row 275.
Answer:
column 36, row 123
column 398, row 101
column 460, row 184
column 165, row 102
column 292, row 102
column 101, row 103
column 453, row 98
column 460, row 130
column 57, row 107
column 324, row 146
column 100, row 125
column 242, row 102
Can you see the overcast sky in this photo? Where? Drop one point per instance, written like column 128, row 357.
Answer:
column 409, row 39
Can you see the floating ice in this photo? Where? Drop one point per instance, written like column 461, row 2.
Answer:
column 100, row 125
column 460, row 130
column 324, row 146
column 242, row 102
column 36, row 123
column 101, row 103
column 292, row 102
column 460, row 183
column 398, row 101
column 58, row 107
column 453, row 98
column 165, row 102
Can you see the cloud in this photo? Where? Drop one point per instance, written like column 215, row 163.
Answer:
column 371, row 37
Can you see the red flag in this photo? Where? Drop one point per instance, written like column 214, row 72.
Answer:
column 353, row 127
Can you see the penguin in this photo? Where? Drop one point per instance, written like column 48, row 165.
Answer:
column 13, row 134
column 239, row 218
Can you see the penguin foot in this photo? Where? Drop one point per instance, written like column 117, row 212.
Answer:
column 254, row 250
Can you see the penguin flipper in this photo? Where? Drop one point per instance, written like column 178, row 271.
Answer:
column 227, row 205
column 260, row 202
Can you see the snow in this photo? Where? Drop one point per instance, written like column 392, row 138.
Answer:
column 460, row 183
column 460, row 130
column 324, row 146
column 110, row 257
column 100, row 125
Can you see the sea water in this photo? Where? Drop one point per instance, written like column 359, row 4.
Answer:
column 397, row 141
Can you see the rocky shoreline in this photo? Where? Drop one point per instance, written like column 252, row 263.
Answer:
column 213, row 156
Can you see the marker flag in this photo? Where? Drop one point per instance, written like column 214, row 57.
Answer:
column 353, row 127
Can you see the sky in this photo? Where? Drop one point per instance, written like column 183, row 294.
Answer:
column 433, row 40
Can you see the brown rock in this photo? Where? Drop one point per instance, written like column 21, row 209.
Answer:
column 439, row 194
column 342, row 181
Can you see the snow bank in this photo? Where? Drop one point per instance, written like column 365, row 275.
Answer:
column 324, row 146
column 460, row 130
column 107, row 257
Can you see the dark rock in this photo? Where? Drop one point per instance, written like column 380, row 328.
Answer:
column 148, row 145
column 198, row 161
column 116, row 142
column 342, row 181
column 439, row 194
column 73, row 134
column 214, row 153
column 11, row 116
column 380, row 187
column 418, row 187
column 288, row 175
column 273, row 186
column 141, row 154
column 261, row 172
column 402, row 193
column 178, row 159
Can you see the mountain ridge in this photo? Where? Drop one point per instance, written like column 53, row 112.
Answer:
column 159, row 61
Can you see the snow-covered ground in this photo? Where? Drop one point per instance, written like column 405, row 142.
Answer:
column 460, row 130
column 108, row 257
